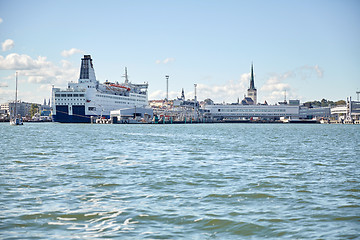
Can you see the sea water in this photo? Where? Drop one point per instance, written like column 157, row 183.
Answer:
column 195, row 181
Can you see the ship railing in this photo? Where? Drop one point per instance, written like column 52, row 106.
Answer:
column 72, row 90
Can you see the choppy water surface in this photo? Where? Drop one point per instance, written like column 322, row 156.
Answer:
column 211, row 181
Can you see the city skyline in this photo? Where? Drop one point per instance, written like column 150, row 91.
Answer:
column 308, row 49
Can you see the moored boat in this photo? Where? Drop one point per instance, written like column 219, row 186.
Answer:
column 15, row 119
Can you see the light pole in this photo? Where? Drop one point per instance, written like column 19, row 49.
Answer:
column 195, row 108
column 195, row 85
column 167, row 87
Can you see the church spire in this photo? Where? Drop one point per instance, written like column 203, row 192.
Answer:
column 252, row 84
column 182, row 94
column 252, row 93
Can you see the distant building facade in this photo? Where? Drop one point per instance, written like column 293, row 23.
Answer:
column 22, row 108
column 316, row 112
column 221, row 111
column 349, row 112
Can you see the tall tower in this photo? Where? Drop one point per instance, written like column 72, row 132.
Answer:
column 251, row 92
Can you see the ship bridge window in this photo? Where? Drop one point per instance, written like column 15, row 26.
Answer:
column 69, row 95
column 76, row 95
column 81, row 95
column 63, row 95
column 57, row 95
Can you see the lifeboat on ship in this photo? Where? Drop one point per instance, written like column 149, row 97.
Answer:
column 120, row 86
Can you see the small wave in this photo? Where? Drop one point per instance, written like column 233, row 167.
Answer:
column 353, row 190
column 243, row 195
column 303, row 191
column 232, row 227
column 66, row 219
column 272, row 220
column 348, row 218
column 350, row 206
column 105, row 185
column 57, row 223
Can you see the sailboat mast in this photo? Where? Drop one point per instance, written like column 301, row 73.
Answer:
column 16, row 93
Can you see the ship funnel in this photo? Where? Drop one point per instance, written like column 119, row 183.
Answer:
column 87, row 70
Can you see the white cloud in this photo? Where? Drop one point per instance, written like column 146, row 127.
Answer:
column 57, row 75
column 1, row 20
column 16, row 61
column 319, row 71
column 70, row 52
column 161, row 94
column 158, row 94
column 7, row 45
column 228, row 92
column 165, row 61
column 274, row 88
column 39, row 70
column 307, row 71
column 40, row 73
column 6, row 94
column 275, row 83
column 3, row 85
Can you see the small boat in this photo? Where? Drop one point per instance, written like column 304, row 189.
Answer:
column 236, row 120
column 303, row 121
column 15, row 119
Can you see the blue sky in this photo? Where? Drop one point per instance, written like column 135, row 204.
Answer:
column 310, row 49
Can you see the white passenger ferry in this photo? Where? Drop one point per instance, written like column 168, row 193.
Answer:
column 86, row 98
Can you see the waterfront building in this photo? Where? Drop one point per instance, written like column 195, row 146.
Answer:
column 349, row 112
column 127, row 115
column 252, row 92
column 4, row 107
column 314, row 112
column 231, row 111
column 22, row 108
column 3, row 116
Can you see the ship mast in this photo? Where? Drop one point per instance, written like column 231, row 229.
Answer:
column 126, row 76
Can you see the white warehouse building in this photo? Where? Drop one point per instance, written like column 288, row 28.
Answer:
column 220, row 111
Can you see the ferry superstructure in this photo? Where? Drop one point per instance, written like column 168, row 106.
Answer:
column 86, row 98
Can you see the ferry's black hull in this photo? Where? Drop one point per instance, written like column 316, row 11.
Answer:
column 78, row 115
